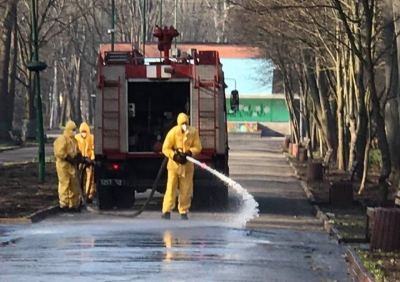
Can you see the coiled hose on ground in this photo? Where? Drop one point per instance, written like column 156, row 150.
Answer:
column 81, row 174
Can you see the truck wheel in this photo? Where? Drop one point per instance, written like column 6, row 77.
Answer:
column 106, row 197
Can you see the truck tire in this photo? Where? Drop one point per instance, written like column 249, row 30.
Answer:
column 105, row 197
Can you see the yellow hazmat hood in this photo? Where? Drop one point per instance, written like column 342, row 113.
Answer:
column 84, row 127
column 69, row 128
column 182, row 118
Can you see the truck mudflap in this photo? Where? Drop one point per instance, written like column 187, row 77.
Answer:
column 121, row 197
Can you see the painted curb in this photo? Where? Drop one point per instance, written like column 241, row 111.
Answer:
column 355, row 264
column 357, row 267
column 32, row 218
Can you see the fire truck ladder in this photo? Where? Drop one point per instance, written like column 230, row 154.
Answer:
column 111, row 114
column 207, row 114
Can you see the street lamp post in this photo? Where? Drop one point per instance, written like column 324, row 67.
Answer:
column 112, row 30
column 231, row 79
column 176, row 18
column 36, row 66
column 144, row 27
column 161, row 13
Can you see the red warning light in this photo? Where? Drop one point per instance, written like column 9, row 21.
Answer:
column 115, row 166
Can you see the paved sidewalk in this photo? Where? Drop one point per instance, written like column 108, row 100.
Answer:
column 24, row 154
column 259, row 166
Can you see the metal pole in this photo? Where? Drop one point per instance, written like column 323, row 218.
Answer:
column 39, row 113
column 161, row 6
column 175, row 18
column 231, row 79
column 144, row 27
column 112, row 23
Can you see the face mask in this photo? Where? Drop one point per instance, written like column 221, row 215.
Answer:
column 184, row 127
column 74, row 132
column 83, row 134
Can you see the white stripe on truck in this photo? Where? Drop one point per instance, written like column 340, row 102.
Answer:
column 163, row 73
column 151, row 71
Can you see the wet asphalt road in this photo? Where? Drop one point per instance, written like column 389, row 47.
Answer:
column 285, row 243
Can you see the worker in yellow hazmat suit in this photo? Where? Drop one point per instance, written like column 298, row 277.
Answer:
column 181, row 141
column 66, row 153
column 86, row 147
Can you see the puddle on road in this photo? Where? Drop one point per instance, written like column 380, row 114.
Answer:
column 75, row 231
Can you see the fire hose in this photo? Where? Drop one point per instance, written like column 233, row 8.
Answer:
column 81, row 180
column 87, row 163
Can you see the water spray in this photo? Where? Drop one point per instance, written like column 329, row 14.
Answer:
column 250, row 206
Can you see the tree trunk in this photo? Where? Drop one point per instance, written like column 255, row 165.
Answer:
column 396, row 17
column 77, row 92
column 5, row 54
column 340, row 113
column 391, row 83
column 362, row 121
column 350, row 106
column 376, row 108
column 319, row 95
column 13, row 67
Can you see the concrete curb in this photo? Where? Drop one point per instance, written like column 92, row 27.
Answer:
column 42, row 214
column 15, row 163
column 306, row 189
column 357, row 267
column 9, row 242
column 317, row 211
column 32, row 218
column 18, row 147
column 9, row 149
column 355, row 264
column 32, row 161
column 95, row 211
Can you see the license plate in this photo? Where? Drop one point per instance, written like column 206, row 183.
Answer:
column 112, row 182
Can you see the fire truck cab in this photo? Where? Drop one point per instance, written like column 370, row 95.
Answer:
column 138, row 103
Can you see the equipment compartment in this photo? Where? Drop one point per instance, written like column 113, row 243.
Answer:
column 152, row 111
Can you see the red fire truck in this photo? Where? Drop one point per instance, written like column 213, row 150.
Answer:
column 137, row 104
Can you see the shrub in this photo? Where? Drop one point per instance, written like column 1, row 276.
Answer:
column 375, row 158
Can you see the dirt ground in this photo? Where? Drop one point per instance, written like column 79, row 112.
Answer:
column 21, row 194
column 351, row 222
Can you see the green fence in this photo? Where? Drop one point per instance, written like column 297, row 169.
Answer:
column 259, row 110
